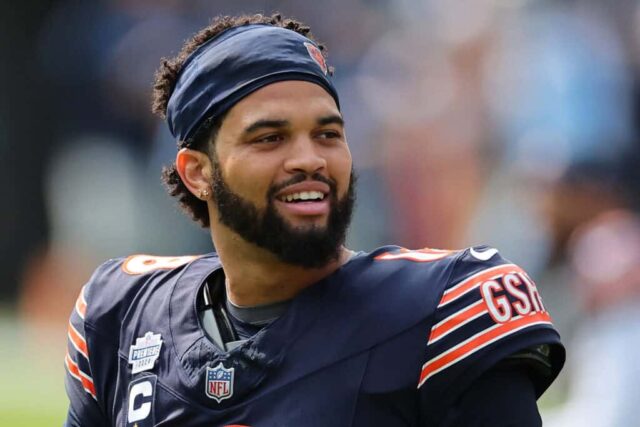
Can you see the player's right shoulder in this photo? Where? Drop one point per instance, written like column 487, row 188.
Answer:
column 117, row 282
column 97, row 317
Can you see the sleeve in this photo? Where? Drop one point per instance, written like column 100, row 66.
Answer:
column 489, row 310
column 84, row 409
column 91, row 361
column 513, row 396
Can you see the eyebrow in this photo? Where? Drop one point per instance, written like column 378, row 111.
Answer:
column 265, row 124
column 332, row 119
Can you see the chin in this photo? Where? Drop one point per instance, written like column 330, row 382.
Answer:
column 308, row 224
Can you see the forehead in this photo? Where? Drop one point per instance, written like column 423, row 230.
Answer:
column 287, row 100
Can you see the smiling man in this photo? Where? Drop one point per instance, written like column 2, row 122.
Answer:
column 282, row 325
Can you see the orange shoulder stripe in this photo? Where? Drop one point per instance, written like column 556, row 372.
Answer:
column 77, row 340
column 457, row 320
column 479, row 341
column 476, row 280
column 86, row 380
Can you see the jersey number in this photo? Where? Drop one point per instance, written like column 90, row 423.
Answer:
column 141, row 264
column 419, row 255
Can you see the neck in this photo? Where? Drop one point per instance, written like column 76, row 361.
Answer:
column 255, row 276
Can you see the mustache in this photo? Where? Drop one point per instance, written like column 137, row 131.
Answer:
column 301, row 177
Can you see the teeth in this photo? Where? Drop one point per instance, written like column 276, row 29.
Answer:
column 304, row 195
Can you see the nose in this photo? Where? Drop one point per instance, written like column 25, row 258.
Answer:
column 304, row 156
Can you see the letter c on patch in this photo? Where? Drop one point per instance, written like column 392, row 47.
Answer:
column 141, row 399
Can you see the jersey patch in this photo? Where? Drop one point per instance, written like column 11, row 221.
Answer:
column 140, row 402
column 219, row 385
column 145, row 352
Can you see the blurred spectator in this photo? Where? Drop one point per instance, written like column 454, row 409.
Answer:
column 597, row 234
column 430, row 135
column 604, row 388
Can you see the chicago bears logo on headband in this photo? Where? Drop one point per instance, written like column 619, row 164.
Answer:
column 316, row 55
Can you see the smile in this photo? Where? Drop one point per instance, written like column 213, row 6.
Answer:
column 302, row 196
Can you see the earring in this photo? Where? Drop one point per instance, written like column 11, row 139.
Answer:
column 204, row 194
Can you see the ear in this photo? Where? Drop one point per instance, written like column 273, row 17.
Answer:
column 194, row 168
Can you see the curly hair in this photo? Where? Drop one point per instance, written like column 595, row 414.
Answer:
column 204, row 138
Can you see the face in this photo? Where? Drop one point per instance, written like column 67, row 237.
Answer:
column 282, row 176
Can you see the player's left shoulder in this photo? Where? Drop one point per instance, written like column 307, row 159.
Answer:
column 444, row 276
column 506, row 289
column 415, row 271
column 490, row 310
column 422, row 257
column 478, row 258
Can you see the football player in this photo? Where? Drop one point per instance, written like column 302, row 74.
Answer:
column 282, row 325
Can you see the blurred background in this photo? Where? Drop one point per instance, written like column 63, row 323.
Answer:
column 507, row 122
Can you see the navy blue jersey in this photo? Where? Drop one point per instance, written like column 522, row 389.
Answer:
column 390, row 338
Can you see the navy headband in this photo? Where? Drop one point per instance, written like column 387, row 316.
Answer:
column 236, row 63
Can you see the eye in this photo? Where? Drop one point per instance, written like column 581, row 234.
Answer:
column 329, row 134
column 268, row 139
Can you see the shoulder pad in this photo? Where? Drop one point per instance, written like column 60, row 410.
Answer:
column 115, row 284
column 393, row 288
column 489, row 310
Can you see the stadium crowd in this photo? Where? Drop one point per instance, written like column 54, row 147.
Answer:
column 535, row 103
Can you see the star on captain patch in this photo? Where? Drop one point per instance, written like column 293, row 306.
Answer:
column 219, row 385
column 145, row 352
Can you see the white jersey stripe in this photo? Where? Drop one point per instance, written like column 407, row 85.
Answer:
column 75, row 372
column 459, row 325
column 81, row 304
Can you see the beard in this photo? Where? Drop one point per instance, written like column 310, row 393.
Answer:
column 307, row 247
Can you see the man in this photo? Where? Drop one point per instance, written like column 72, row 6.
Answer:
column 283, row 326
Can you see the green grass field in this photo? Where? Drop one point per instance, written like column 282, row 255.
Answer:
column 31, row 374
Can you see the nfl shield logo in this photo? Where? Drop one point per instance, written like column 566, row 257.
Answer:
column 219, row 384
